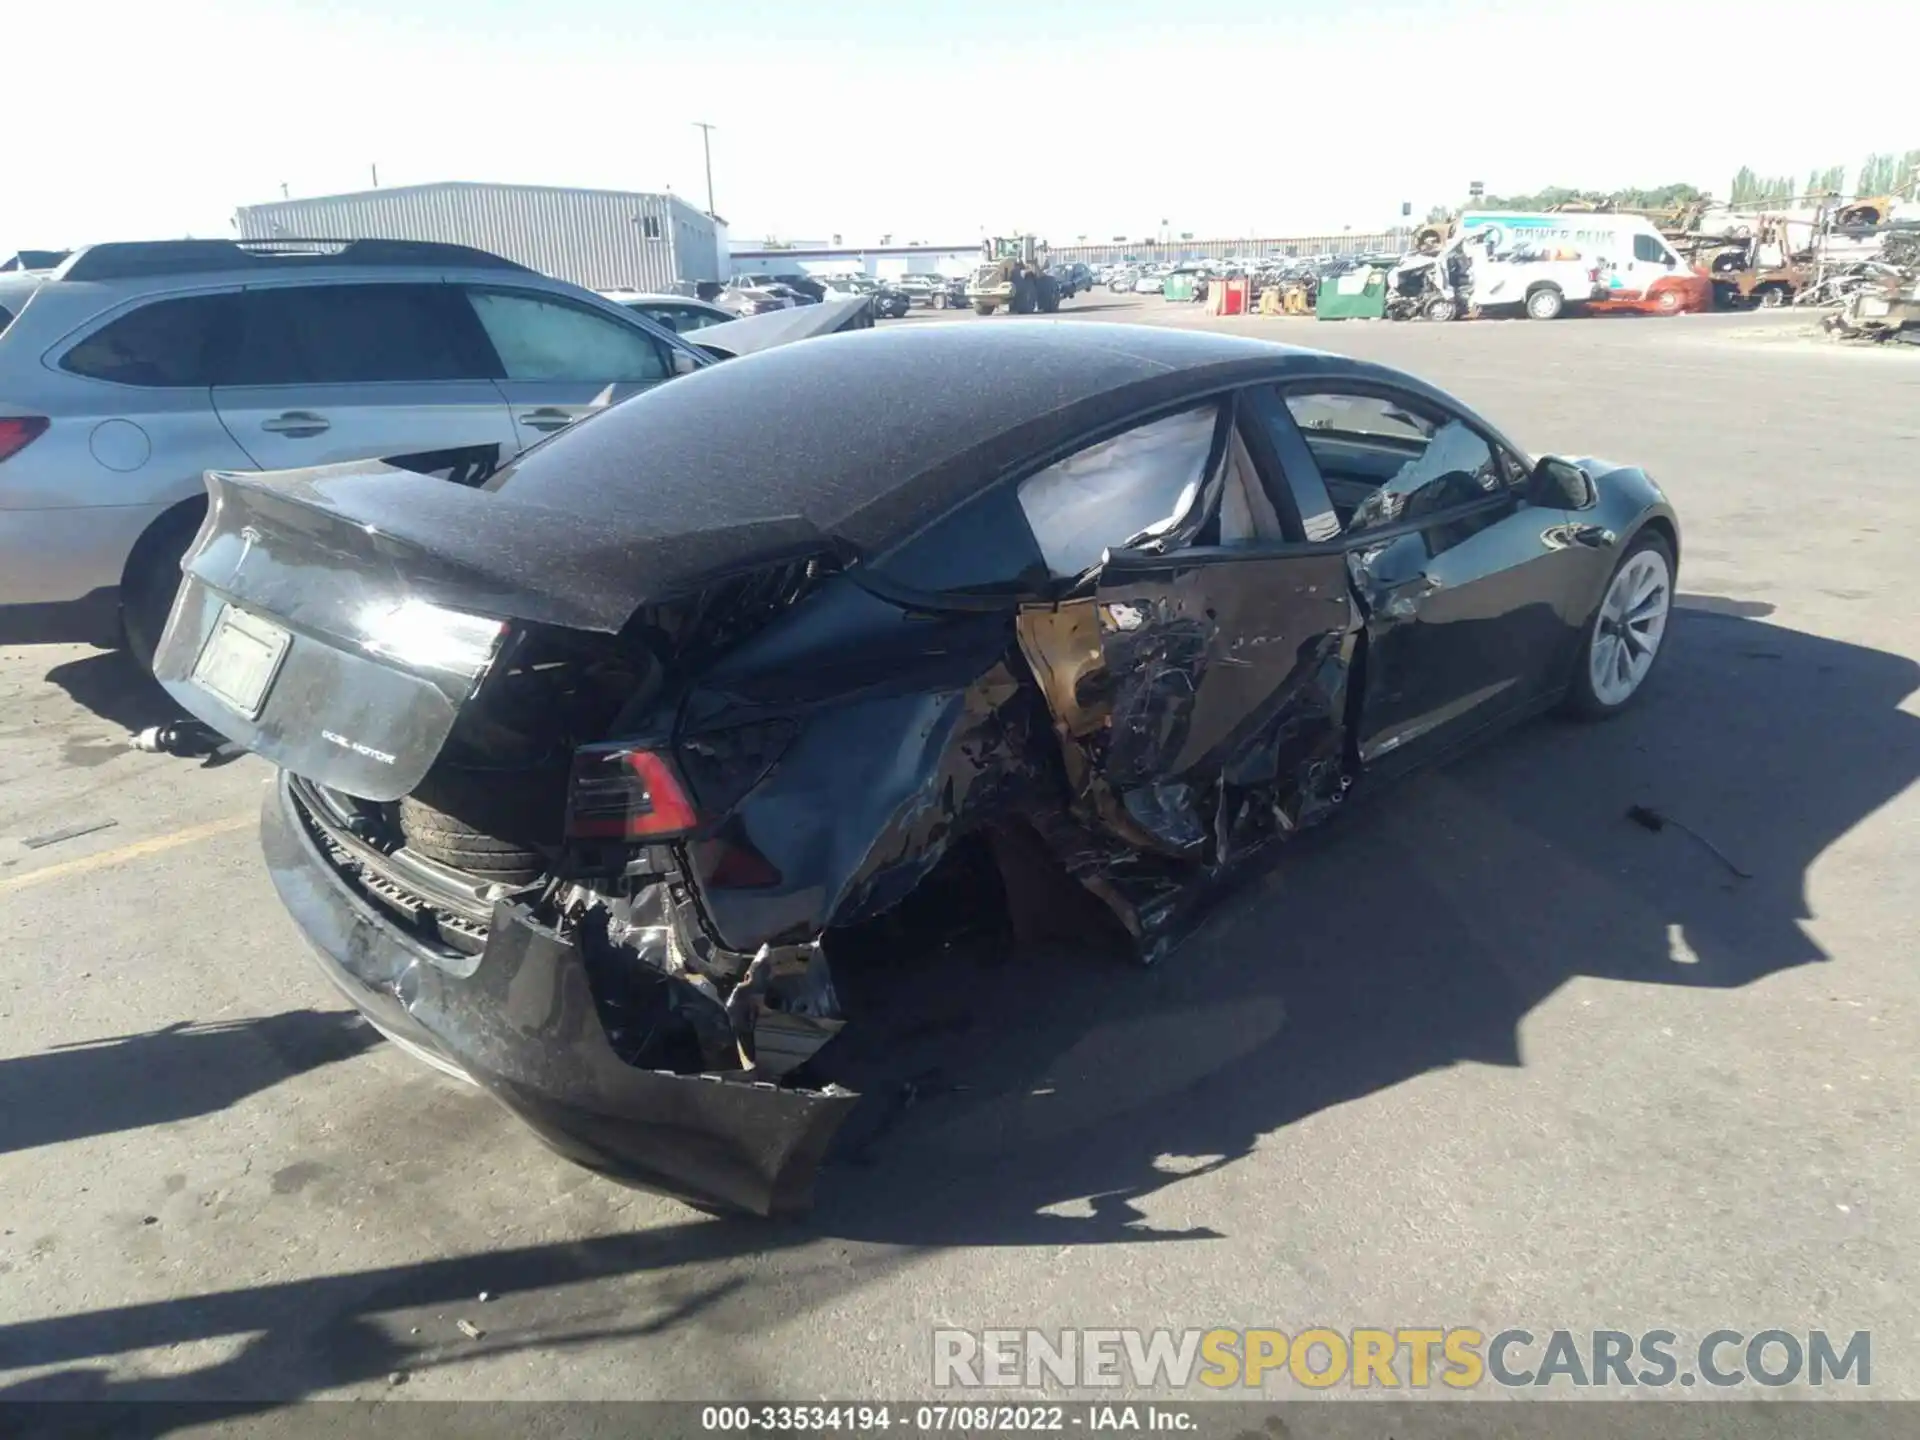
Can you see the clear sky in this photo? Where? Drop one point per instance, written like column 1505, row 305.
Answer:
column 929, row 120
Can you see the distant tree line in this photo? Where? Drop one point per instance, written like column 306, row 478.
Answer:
column 1888, row 174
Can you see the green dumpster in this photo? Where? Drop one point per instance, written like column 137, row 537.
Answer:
column 1179, row 286
column 1356, row 295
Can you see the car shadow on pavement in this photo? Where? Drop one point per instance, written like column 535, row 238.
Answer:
column 1049, row 1099
column 100, row 1087
column 113, row 686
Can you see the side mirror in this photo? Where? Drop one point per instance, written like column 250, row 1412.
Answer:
column 1557, row 484
column 685, row 364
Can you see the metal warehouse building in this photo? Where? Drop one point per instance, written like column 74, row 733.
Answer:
column 603, row 239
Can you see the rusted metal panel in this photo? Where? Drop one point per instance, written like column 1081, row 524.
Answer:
column 603, row 239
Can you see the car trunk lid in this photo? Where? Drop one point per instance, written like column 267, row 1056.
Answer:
column 337, row 620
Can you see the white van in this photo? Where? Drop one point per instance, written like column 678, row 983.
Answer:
column 1548, row 261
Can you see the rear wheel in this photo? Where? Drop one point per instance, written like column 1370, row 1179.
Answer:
column 1667, row 302
column 1441, row 308
column 1772, row 297
column 152, row 579
column 982, row 307
column 1545, row 303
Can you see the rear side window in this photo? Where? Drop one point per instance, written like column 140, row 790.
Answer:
column 356, row 334
column 1119, row 492
column 170, row 343
column 542, row 338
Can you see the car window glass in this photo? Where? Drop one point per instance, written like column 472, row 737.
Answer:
column 168, row 343
column 1383, row 463
column 1648, row 247
column 6, row 319
column 351, row 334
column 540, row 338
column 1127, row 489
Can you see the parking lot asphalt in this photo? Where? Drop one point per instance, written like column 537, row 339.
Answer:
column 1482, row 1053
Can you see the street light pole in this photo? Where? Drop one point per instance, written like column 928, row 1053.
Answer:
column 706, row 147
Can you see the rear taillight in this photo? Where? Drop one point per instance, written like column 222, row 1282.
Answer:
column 621, row 792
column 19, row 431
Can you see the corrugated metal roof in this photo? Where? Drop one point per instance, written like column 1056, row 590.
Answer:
column 603, row 239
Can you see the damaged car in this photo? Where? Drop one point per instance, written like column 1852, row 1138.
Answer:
column 585, row 772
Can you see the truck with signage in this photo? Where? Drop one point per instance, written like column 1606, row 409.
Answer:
column 1550, row 261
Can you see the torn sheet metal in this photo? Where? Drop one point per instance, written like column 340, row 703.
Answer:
column 1213, row 723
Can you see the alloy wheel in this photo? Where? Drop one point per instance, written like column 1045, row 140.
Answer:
column 1633, row 618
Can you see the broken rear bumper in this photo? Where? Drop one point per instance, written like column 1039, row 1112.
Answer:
column 520, row 1020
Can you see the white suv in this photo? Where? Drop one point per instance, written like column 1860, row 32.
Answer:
column 133, row 369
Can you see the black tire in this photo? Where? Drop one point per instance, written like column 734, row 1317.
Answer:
column 152, row 579
column 1581, row 701
column 1046, row 297
column 1545, row 302
column 1772, row 297
column 981, row 307
column 489, row 823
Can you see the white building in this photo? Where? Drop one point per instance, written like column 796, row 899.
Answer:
column 808, row 257
column 602, row 239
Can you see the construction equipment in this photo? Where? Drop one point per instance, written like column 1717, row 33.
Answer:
column 1015, row 276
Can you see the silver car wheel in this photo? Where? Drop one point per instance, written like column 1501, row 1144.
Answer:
column 1633, row 618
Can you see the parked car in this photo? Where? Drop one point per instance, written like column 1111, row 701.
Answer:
column 806, row 287
column 742, row 299
column 1121, row 281
column 134, row 369
column 586, row 777
column 928, row 290
column 1073, row 277
column 678, row 313
column 890, row 302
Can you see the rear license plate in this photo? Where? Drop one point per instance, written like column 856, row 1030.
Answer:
column 240, row 658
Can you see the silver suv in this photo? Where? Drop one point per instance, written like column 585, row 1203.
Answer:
column 133, row 369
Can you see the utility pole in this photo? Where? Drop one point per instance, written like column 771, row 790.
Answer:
column 706, row 147
column 376, row 175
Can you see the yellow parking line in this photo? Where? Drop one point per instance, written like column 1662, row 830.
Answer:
column 136, row 851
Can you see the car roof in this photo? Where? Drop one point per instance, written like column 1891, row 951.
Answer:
column 864, row 438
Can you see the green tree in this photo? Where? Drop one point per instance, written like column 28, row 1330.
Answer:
column 1877, row 175
column 1439, row 214
column 1907, row 175
column 1830, row 181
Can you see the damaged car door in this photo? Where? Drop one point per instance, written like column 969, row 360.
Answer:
column 1461, row 577
column 1211, row 654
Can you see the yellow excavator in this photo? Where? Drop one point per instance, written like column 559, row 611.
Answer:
column 1014, row 276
